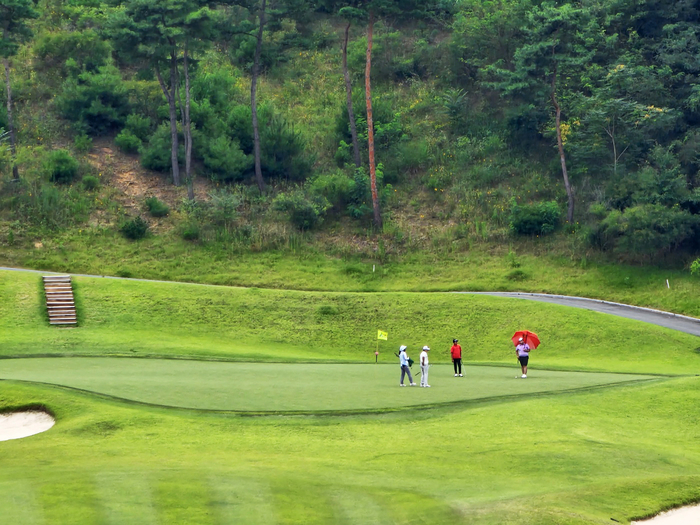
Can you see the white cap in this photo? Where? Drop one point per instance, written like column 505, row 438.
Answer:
column 402, row 348
column 426, row 348
column 520, row 339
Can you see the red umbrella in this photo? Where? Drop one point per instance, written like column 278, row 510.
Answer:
column 531, row 338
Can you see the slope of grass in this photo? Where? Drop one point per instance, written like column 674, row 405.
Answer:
column 568, row 459
column 541, row 267
column 299, row 387
column 176, row 320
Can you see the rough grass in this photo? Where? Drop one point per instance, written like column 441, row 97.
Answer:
column 541, row 266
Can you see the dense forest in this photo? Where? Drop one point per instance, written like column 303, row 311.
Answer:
column 484, row 120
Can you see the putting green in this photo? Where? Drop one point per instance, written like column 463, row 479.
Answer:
column 285, row 387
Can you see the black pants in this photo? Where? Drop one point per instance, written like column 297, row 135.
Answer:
column 458, row 365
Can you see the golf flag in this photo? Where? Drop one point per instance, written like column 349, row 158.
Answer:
column 382, row 335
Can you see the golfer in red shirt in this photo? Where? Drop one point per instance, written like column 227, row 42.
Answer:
column 456, row 352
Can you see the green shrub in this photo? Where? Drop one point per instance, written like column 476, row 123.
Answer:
column 534, row 219
column 156, row 207
column 82, row 143
column 90, row 182
column 97, row 102
column 336, row 187
column 71, row 52
column 139, row 126
column 135, row 228
column 695, row 267
column 61, row 166
column 225, row 159
column 190, row 231
column 127, row 141
column 222, row 209
column 303, row 211
column 156, row 154
column 327, row 309
column 646, row 230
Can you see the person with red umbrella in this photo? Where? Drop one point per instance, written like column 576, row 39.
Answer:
column 524, row 341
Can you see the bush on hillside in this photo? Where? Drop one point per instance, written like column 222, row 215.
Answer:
column 283, row 149
column 156, row 207
column 534, row 219
column 134, row 229
column 304, row 212
column 695, row 267
column 71, row 52
column 96, row 102
column 156, row 154
column 224, row 158
column 336, row 187
column 90, row 182
column 128, row 142
column 139, row 126
column 82, row 143
column 647, row 230
column 61, row 167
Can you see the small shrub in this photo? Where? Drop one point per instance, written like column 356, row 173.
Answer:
column 695, row 267
column 304, row 212
column 156, row 207
column 61, row 166
column 534, row 219
column 96, row 102
column 327, row 310
column 90, row 182
column 156, row 154
column 82, row 143
column 516, row 275
column 135, row 228
column 139, row 126
column 127, row 141
column 190, row 231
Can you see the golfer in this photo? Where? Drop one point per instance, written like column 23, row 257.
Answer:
column 522, row 350
column 424, row 365
column 456, row 352
column 403, row 358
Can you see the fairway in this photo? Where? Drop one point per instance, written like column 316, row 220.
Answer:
column 290, row 387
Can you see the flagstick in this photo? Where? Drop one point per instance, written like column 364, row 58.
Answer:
column 376, row 353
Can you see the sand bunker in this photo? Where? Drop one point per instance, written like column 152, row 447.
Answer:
column 681, row 516
column 23, row 424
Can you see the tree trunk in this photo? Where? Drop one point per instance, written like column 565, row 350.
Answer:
column 187, row 127
column 170, row 96
column 370, row 127
column 348, row 93
column 560, row 145
column 253, row 101
column 10, row 120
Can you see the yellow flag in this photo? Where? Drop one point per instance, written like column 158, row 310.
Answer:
column 382, row 335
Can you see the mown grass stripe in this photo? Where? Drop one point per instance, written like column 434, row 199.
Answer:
column 126, row 498
column 19, row 503
column 243, row 501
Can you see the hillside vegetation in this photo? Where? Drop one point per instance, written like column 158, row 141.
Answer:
column 515, row 140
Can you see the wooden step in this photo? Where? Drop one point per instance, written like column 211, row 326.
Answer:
column 60, row 303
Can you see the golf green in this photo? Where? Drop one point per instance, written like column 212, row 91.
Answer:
column 285, row 387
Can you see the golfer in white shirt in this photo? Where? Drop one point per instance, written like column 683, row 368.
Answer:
column 424, row 367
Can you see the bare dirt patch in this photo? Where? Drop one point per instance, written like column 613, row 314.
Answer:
column 134, row 183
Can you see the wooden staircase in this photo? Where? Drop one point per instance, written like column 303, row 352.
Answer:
column 59, row 300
